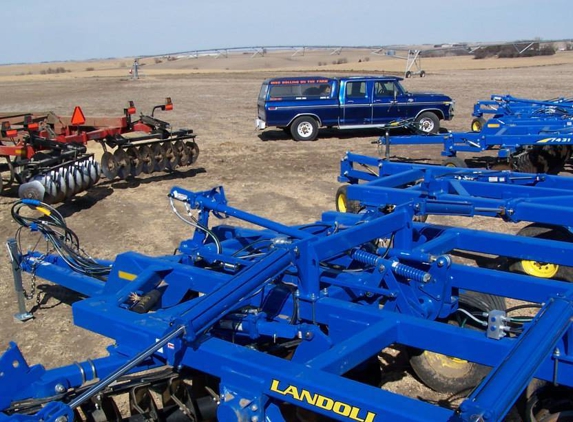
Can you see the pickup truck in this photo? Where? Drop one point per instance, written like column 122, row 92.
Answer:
column 300, row 105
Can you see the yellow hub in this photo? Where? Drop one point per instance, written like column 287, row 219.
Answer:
column 540, row 269
column 341, row 203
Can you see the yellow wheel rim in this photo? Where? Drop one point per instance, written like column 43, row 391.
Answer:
column 450, row 165
column 540, row 269
column 341, row 203
column 446, row 363
column 476, row 126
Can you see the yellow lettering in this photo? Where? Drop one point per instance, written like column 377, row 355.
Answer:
column 342, row 408
column 309, row 398
column 275, row 386
column 324, row 403
column 354, row 415
column 292, row 391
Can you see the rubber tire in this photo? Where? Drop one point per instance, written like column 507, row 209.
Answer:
column 548, row 159
column 454, row 162
column 472, row 373
column 345, row 205
column 434, row 119
column 307, row 122
column 477, row 124
column 542, row 231
column 422, row 73
column 408, row 74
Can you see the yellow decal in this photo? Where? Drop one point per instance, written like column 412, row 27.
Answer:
column 555, row 140
column 126, row 276
column 318, row 400
column 493, row 125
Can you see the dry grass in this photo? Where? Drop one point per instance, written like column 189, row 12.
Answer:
column 356, row 61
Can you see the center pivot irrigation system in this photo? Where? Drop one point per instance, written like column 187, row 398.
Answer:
column 47, row 156
column 265, row 323
column 528, row 135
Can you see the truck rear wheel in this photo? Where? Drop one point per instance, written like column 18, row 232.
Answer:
column 304, row 128
column 428, row 122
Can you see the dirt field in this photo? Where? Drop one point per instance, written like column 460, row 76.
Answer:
column 264, row 173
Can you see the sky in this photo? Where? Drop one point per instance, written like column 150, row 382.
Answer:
column 57, row 30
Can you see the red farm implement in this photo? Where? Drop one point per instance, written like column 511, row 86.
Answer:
column 47, row 154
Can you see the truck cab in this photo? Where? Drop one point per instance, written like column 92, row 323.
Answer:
column 301, row 105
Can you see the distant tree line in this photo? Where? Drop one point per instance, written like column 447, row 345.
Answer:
column 51, row 71
column 514, row 50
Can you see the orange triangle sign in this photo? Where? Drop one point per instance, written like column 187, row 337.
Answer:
column 78, row 117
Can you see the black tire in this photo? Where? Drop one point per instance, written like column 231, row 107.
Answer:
column 304, row 128
column 549, row 159
column 428, row 122
column 454, row 162
column 343, row 204
column 449, row 375
column 542, row 269
column 477, row 124
column 408, row 74
column 422, row 74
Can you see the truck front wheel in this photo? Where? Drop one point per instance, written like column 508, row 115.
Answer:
column 304, row 128
column 428, row 122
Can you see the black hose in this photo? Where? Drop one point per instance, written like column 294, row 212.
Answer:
column 56, row 232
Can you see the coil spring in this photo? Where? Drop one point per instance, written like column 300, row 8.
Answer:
column 411, row 273
column 366, row 257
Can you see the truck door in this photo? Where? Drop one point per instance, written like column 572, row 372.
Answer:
column 356, row 103
column 386, row 104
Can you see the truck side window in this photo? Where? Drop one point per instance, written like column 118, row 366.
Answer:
column 356, row 90
column 278, row 91
column 385, row 89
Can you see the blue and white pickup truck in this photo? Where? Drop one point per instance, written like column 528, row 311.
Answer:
column 300, row 105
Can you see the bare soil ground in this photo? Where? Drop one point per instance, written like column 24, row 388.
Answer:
column 264, row 173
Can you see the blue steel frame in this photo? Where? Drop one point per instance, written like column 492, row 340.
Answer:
column 516, row 123
column 508, row 106
column 346, row 299
column 506, row 138
column 428, row 189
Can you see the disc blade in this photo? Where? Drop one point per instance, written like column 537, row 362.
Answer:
column 32, row 190
column 171, row 157
column 159, row 157
column 147, row 159
column 135, row 161
column 123, row 163
column 109, row 166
